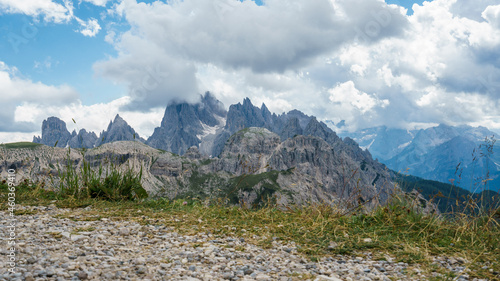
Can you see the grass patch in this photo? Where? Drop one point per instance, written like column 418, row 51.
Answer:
column 100, row 182
column 14, row 145
column 25, row 212
column 85, row 229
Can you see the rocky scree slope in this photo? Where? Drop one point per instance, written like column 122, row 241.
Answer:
column 53, row 247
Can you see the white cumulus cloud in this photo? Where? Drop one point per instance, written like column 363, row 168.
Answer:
column 277, row 39
column 17, row 90
column 101, row 3
column 90, row 27
column 50, row 10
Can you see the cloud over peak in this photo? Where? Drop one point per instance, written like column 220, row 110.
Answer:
column 278, row 37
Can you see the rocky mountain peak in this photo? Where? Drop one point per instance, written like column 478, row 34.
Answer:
column 291, row 128
column 54, row 131
column 83, row 139
column 118, row 120
column 244, row 115
column 185, row 125
column 118, row 130
column 213, row 104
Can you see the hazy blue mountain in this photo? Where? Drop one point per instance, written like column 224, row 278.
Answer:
column 382, row 142
column 456, row 154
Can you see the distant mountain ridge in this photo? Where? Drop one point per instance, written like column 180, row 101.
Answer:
column 55, row 133
column 443, row 153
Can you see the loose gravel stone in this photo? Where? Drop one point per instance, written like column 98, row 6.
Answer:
column 51, row 248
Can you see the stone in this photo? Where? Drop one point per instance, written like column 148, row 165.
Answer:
column 76, row 238
column 326, row 278
column 262, row 277
column 82, row 275
column 137, row 259
column 124, row 231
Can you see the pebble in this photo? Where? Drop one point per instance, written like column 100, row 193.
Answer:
column 125, row 250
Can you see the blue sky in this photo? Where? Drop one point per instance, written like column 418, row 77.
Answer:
column 56, row 54
column 364, row 61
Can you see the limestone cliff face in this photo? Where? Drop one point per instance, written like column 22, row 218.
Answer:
column 310, row 168
column 247, row 151
column 291, row 129
column 83, row 139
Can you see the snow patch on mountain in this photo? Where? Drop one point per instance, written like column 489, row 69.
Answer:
column 207, row 130
column 404, row 145
column 369, row 137
column 211, row 130
column 368, row 146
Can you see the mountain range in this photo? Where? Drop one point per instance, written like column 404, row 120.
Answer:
column 443, row 153
column 56, row 134
column 206, row 125
column 464, row 156
column 247, row 152
column 255, row 165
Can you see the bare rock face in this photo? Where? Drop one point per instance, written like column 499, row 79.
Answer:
column 193, row 153
column 83, row 139
column 118, row 130
column 248, row 150
column 54, row 133
column 337, row 174
column 292, row 128
column 303, row 169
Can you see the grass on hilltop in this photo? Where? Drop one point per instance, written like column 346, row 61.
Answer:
column 15, row 145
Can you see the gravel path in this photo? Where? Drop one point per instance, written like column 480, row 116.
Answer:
column 49, row 248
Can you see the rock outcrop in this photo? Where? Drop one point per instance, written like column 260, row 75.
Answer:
column 291, row 129
column 54, row 133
